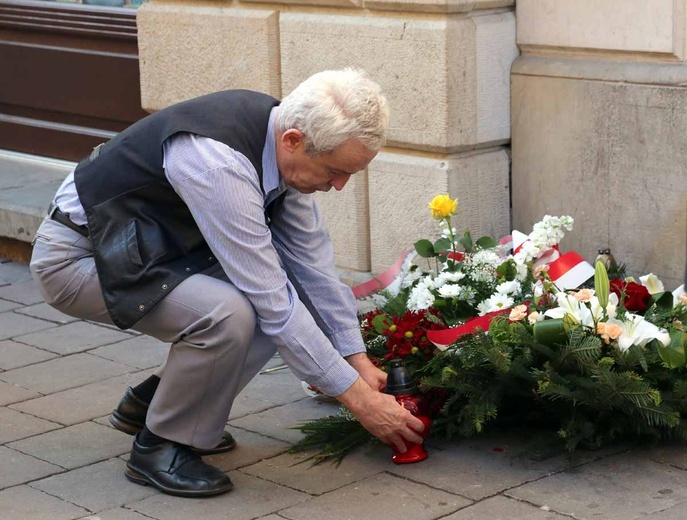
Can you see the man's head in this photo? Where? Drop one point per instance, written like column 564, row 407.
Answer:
column 331, row 126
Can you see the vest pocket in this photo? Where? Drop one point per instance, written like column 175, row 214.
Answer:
column 132, row 244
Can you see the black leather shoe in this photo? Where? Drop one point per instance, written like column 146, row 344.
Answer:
column 130, row 417
column 176, row 470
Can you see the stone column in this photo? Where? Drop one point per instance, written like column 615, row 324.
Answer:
column 444, row 65
column 600, row 127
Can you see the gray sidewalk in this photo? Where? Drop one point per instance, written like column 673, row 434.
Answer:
column 60, row 459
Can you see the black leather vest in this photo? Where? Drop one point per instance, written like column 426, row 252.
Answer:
column 144, row 238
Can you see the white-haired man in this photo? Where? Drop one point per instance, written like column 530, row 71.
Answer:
column 197, row 226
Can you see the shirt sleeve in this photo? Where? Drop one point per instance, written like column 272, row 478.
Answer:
column 221, row 188
column 300, row 236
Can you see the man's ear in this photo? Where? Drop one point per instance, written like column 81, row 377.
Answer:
column 292, row 139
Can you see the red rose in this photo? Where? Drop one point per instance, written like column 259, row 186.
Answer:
column 637, row 296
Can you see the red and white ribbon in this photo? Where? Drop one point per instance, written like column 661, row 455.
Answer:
column 390, row 279
column 570, row 271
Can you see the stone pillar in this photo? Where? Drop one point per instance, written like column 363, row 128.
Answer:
column 600, row 127
column 444, row 65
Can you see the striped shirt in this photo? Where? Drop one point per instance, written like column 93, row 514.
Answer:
column 285, row 270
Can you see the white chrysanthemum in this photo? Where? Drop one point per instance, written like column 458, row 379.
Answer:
column 411, row 278
column 420, row 298
column 448, row 276
column 450, row 291
column 486, row 257
column 509, row 288
column 496, row 302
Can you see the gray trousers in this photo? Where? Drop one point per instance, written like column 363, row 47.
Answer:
column 216, row 348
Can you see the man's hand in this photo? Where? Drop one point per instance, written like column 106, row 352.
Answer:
column 372, row 375
column 381, row 415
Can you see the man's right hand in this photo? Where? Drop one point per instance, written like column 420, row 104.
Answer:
column 382, row 415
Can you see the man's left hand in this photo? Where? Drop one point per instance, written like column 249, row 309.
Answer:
column 372, row 375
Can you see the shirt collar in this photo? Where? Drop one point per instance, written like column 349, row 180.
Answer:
column 272, row 183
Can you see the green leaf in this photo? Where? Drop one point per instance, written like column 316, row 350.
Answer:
column 466, row 241
column 442, row 245
column 486, row 242
column 674, row 354
column 381, row 323
column 425, row 248
column 663, row 300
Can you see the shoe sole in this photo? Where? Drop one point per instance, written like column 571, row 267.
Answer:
column 124, row 426
column 145, row 480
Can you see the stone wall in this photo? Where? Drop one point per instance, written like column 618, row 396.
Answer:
column 599, row 121
column 444, row 65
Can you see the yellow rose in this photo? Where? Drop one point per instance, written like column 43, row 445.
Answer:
column 442, row 206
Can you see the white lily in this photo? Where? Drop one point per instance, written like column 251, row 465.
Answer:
column 652, row 283
column 680, row 296
column 597, row 310
column 568, row 305
column 638, row 331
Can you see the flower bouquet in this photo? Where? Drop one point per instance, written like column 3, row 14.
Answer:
column 530, row 337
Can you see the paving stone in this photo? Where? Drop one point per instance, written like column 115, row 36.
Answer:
column 17, row 425
column 250, row 448
column 97, row 488
column 138, row 352
column 246, row 405
column 116, row 514
column 619, row 487
column 25, row 293
column 76, row 446
column 83, row 403
column 73, row 338
column 271, row 517
column 62, row 373
column 294, row 471
column 280, row 387
column 277, row 422
column 672, row 453
column 12, row 324
column 13, row 272
column 478, row 468
column 502, row 508
column 678, row 512
column 250, row 498
column 17, row 468
column 383, row 497
column 6, row 305
column 25, row 503
column 44, row 311
column 10, row 393
column 15, row 355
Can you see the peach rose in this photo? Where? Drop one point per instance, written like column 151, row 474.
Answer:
column 609, row 331
column 583, row 295
column 541, row 269
column 533, row 317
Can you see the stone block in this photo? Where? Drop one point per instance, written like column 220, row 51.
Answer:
column 27, row 503
column 6, row 305
column 25, row 291
column 383, row 497
column 43, row 311
column 17, row 468
column 437, row 6
column 446, row 78
column 298, row 473
column 347, row 215
column 323, row 3
column 187, row 50
column 119, row 513
column 62, row 373
column 73, row 338
column 98, row 487
column 251, row 498
column 138, row 352
column 610, row 154
column 83, row 403
column 502, row 508
column 615, row 488
column 279, row 422
column 12, row 325
column 13, row 272
column 75, row 446
column 655, row 28
column 401, row 187
column 10, row 393
column 15, row 355
column 16, row 425
column 250, row 449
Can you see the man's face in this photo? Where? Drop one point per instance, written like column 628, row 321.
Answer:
column 309, row 174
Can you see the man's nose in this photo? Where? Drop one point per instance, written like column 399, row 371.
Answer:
column 340, row 181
